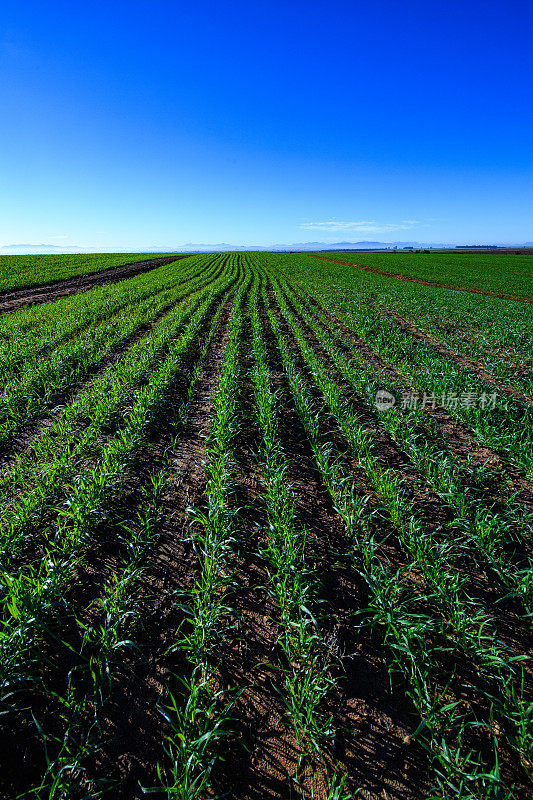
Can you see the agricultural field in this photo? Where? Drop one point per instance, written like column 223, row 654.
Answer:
column 267, row 532
column 507, row 274
column 24, row 272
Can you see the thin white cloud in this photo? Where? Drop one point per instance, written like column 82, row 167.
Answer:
column 362, row 226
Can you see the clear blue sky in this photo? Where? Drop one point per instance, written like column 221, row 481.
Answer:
column 153, row 124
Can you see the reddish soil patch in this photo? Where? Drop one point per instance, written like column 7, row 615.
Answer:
column 12, row 301
column 400, row 277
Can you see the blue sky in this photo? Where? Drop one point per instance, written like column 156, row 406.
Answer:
column 154, row 124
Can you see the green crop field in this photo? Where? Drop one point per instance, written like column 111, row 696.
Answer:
column 22, row 272
column 267, row 530
column 500, row 273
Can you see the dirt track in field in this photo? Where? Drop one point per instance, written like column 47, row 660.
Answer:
column 400, row 277
column 12, row 301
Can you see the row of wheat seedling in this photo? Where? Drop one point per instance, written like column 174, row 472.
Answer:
column 110, row 633
column 466, row 625
column 307, row 657
column 79, row 434
column 413, row 637
column 201, row 716
column 32, row 596
column 482, row 532
column 117, row 622
column 45, row 380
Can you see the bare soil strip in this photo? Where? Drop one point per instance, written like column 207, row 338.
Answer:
column 12, row 301
column 409, row 279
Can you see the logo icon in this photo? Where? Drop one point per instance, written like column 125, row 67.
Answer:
column 384, row 400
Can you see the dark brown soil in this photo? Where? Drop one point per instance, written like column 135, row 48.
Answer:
column 408, row 278
column 12, row 301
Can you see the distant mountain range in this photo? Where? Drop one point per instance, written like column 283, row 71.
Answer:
column 363, row 245
column 26, row 249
